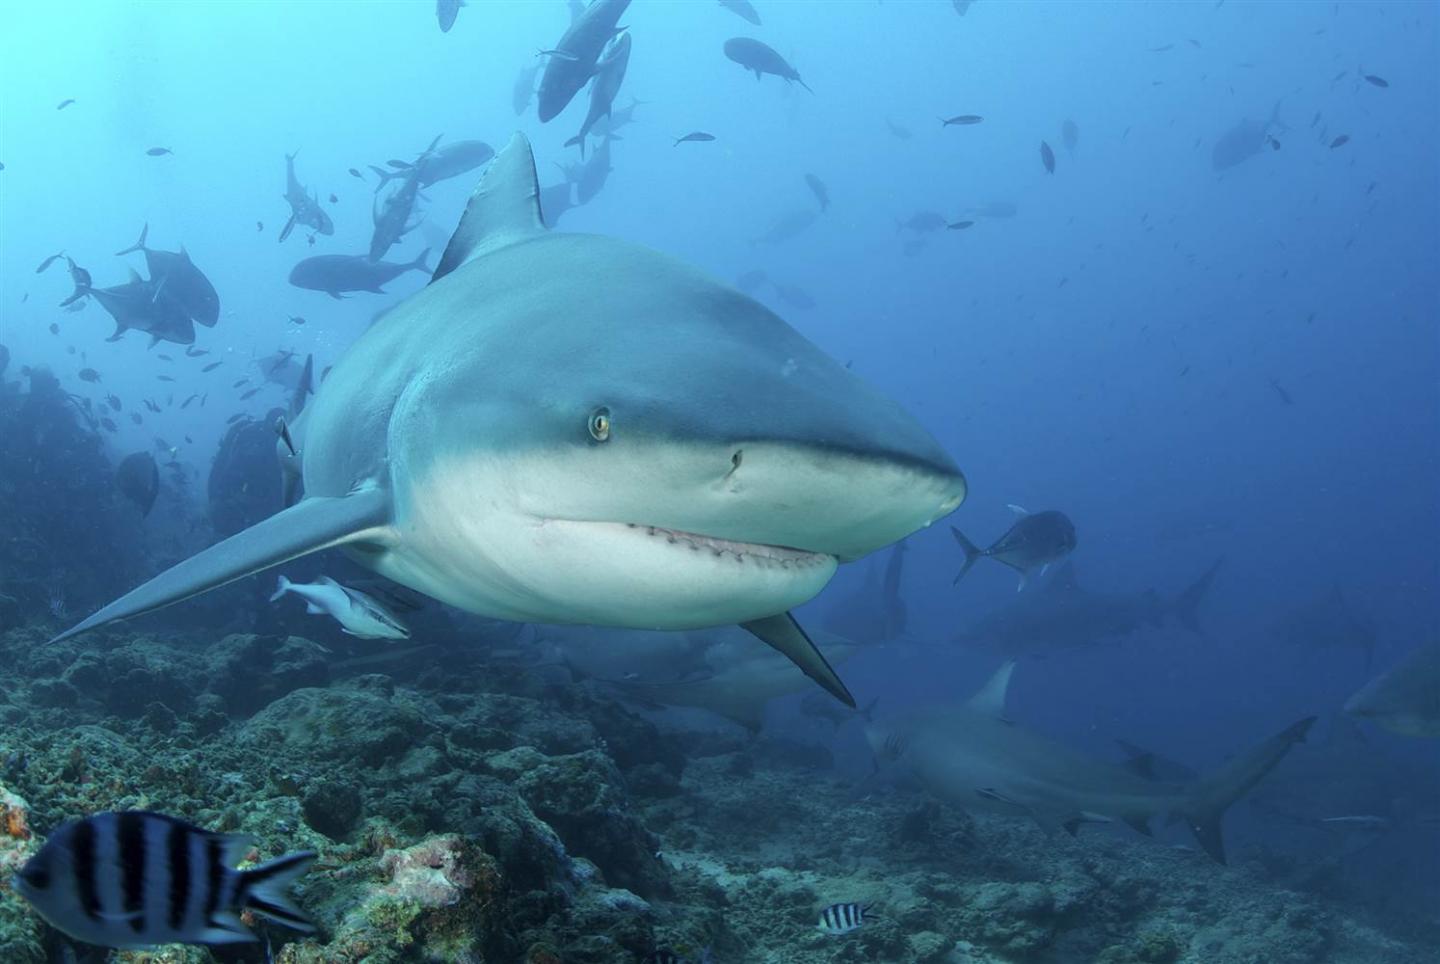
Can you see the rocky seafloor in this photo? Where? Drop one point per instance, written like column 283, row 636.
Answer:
column 466, row 812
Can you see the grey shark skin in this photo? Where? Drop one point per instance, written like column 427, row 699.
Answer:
column 568, row 428
column 1060, row 613
column 1405, row 700
column 304, row 206
column 976, row 758
column 572, row 64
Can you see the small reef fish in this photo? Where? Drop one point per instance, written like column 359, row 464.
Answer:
column 843, row 918
column 357, row 613
column 134, row 879
column 694, row 137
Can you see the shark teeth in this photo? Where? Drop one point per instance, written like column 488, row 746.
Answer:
column 741, row 552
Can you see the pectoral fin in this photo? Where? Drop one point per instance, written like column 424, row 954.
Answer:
column 308, row 526
column 785, row 634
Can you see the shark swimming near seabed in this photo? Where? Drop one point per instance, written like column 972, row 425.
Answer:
column 1405, row 699
column 569, row 428
column 1061, row 613
column 975, row 757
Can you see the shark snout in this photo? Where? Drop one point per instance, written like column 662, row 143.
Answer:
column 836, row 502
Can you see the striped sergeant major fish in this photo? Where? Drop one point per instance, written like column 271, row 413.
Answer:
column 843, row 918
column 134, row 879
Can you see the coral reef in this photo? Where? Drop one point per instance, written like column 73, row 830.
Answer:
column 468, row 813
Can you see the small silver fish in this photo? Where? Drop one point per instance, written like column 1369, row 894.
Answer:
column 357, row 613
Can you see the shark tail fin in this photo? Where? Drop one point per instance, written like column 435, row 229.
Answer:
column 282, row 586
column 419, row 263
column 1214, row 794
column 1187, row 604
column 308, row 526
column 138, row 245
column 973, row 553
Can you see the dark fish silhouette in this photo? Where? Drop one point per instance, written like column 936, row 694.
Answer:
column 695, row 136
column 609, row 75
column 961, row 120
column 177, row 279
column 1069, row 135
column 304, row 205
column 1047, row 157
column 742, row 9
column 1369, row 79
column 440, row 163
column 1340, row 141
column 338, row 273
column 70, row 100
column 446, row 11
column 761, row 58
column 817, row 188
column 1035, row 541
column 159, row 151
column 572, row 61
column 138, row 479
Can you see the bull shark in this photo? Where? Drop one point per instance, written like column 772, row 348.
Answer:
column 1329, row 621
column 569, row 428
column 1405, row 699
column 975, row 757
column 1062, row 614
column 304, row 205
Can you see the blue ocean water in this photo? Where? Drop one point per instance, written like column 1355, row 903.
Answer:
column 1194, row 360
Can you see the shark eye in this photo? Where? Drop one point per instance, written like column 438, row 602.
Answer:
column 600, row 424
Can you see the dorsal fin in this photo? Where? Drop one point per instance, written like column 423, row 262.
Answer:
column 990, row 699
column 505, row 208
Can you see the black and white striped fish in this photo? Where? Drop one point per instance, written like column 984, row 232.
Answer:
column 134, row 879
column 843, row 918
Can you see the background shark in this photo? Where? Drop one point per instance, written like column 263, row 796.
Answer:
column 1060, row 613
column 975, row 757
column 665, row 454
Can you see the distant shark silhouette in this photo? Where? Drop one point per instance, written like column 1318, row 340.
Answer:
column 974, row 757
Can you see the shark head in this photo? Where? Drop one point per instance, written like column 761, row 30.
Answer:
column 637, row 444
column 573, row 429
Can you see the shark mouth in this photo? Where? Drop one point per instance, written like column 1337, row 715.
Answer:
column 743, row 553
